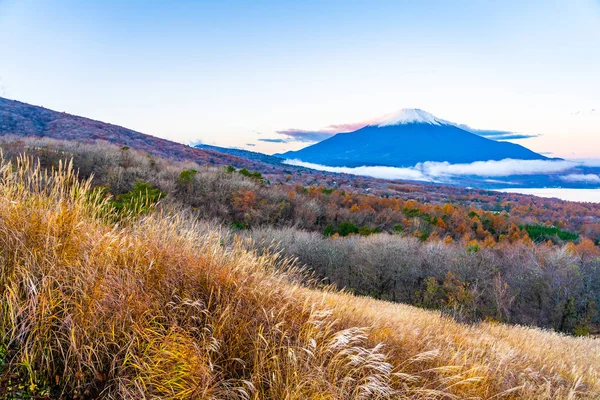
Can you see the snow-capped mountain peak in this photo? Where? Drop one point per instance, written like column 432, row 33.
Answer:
column 406, row 138
column 409, row 116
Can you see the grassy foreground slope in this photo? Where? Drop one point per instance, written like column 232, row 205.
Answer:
column 158, row 307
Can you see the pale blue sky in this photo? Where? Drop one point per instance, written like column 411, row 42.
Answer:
column 233, row 72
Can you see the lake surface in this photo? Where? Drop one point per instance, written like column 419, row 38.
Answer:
column 583, row 195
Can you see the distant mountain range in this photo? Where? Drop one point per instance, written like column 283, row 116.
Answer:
column 405, row 138
column 250, row 155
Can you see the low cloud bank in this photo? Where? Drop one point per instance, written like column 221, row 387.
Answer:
column 375, row 172
column 505, row 167
column 589, row 178
column 444, row 171
column 589, row 162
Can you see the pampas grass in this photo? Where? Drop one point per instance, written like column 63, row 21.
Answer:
column 159, row 307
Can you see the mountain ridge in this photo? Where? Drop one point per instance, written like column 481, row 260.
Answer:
column 23, row 119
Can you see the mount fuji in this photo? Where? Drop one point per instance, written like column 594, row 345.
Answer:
column 405, row 138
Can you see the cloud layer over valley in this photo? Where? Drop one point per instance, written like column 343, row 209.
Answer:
column 444, row 172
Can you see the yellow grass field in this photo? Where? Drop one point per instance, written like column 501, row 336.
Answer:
column 158, row 307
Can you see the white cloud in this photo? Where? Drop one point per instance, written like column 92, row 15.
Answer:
column 589, row 162
column 505, row 167
column 375, row 172
column 581, row 178
column 443, row 171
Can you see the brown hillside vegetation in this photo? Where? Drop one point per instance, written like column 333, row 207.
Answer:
column 471, row 263
column 160, row 307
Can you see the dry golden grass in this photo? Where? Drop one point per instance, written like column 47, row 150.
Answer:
column 158, row 308
column 486, row 360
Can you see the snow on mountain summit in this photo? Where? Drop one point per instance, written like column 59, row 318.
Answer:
column 409, row 116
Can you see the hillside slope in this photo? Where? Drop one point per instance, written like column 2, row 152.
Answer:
column 159, row 307
column 22, row 119
column 405, row 140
